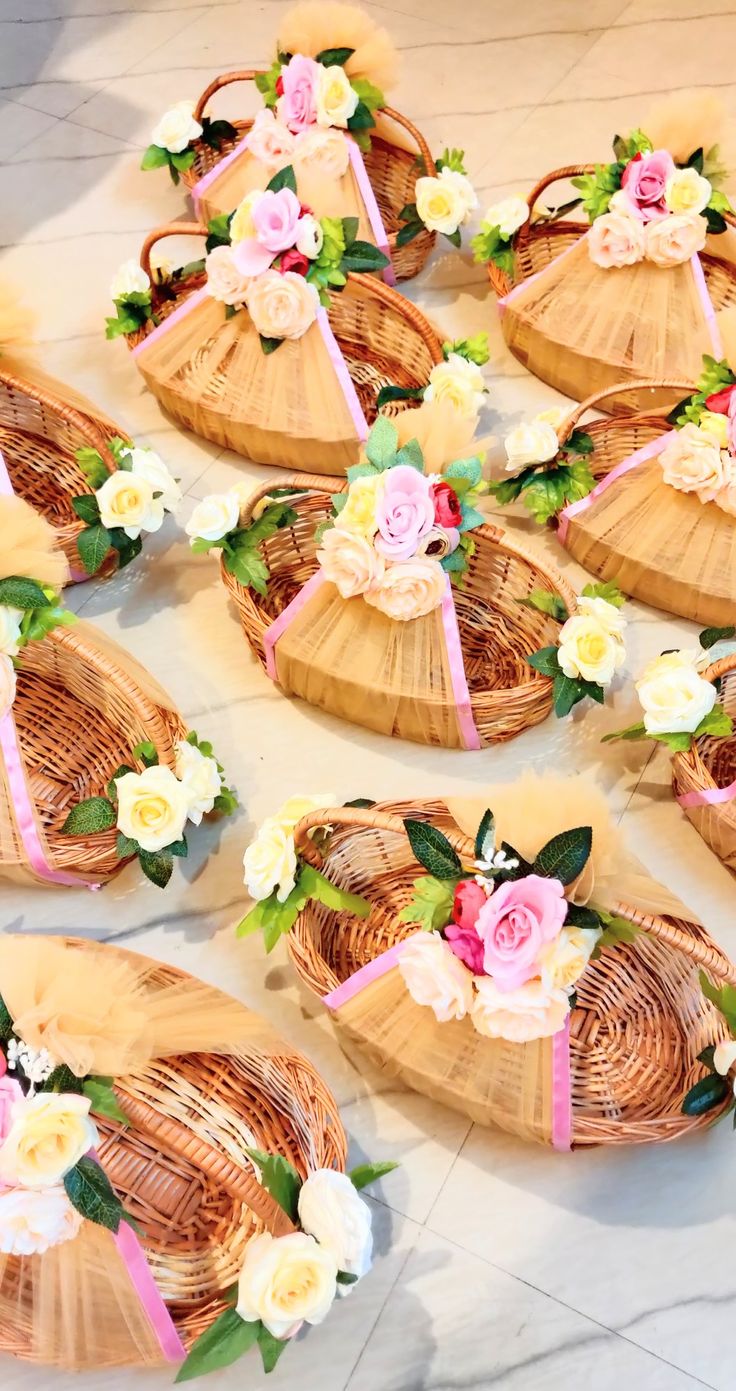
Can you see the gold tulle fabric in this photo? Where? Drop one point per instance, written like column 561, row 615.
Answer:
column 443, row 434
column 583, row 328
column 29, row 545
column 17, row 322
column 214, row 377
column 346, row 657
column 315, row 25
column 683, row 122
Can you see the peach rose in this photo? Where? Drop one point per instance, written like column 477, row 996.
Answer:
column 409, row 588
column 532, row 1011
column 282, row 306
column 350, row 561
column 692, row 463
column 675, row 239
column 616, row 240
column 225, row 282
column 270, row 141
column 322, row 151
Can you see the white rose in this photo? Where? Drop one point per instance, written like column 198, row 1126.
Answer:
column 32, row 1220
column 309, row 236
column 331, row 1211
column 177, row 128
column 672, row 240
column 616, row 239
column 686, row 191
column 563, row 961
column 674, row 696
column 588, row 650
column 692, row 463
column 724, row 1056
column 130, row 279
column 296, row 807
column 49, row 1133
column 532, row 1011
column 350, row 561
column 270, row 141
column 200, row 777
column 270, row 862
column 225, row 282
column 152, row 807
column 322, row 152
column 128, row 501
column 7, row 684
column 435, row 977
column 458, row 381
column 609, row 617
column 282, row 306
column 146, row 463
column 536, row 443
column 336, row 99
column 10, row 621
column 286, row 1281
column 214, row 517
column 444, row 203
column 508, row 215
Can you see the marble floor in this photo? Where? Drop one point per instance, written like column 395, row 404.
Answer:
column 498, row 1264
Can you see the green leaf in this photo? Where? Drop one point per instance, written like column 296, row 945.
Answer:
column 716, row 723
column 89, row 817
column 284, row 178
column 157, row 866
column 120, row 772
column 408, row 232
column 219, row 231
column 411, row 454
column 579, row 442
column 708, row 1093
column 716, row 222
column 473, row 349
column 280, row 1178
column 127, row 547
column 125, row 848
column 364, row 257
column 270, row 345
column 632, row 731
column 179, row 848
column 369, row 94
column 90, row 462
column 249, row 568
column 546, row 602
column 146, row 753
column 485, row 835
column 89, row 1190
column 363, row 1174
column 218, row 133
column 271, row 1348
column 431, row 904
column 224, row 1342
column 710, row 636
column 381, row 444
column 565, row 856
column 6, row 1022
column 566, row 692
column 181, row 160
column 678, row 743
column 103, row 1100
column 605, row 589
column 433, row 850
column 707, row 1057
column 615, row 931
column 93, row 545
column 19, row 593
column 87, row 507
column 155, row 157
column 723, row 997
column 362, row 118
column 399, row 393
column 469, row 469
column 583, row 917
column 334, row 57
column 314, row 885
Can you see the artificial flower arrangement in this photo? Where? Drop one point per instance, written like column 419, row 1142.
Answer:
column 443, row 203
column 122, row 505
column 590, row 648
column 457, row 379
column 28, row 612
column 150, row 810
column 700, row 456
column 679, row 704
column 545, row 472
column 174, row 135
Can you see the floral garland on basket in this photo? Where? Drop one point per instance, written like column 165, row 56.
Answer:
column 443, row 201
column 700, row 457
column 679, row 705
column 124, row 504
column 28, row 612
column 150, row 809
column 590, row 648
column 545, row 474
column 175, row 135
column 457, row 379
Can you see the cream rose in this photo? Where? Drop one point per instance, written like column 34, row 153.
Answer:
column 458, row 381
column 309, row 236
column 724, row 1056
column 672, row 240
column 214, row 517
column 535, row 443
column 359, row 512
column 686, row 191
column 445, row 202
column 270, row 141
column 336, row 99
column 715, row 426
column 152, row 807
column 508, row 215
column 673, row 695
column 10, row 621
column 332, row 1212
column 177, row 128
column 7, row 684
column 242, row 226
column 563, row 962
column 49, row 1133
column 127, row 500
column 588, row 650
column 146, row 463
column 225, row 282
column 322, row 152
column 130, row 279
column 296, row 807
column 270, row 862
column 609, row 617
column 691, row 462
column 282, row 306
column 531, row 1011
column 616, row 239
column 435, row 977
column 350, row 561
column 200, row 777
column 409, row 588
column 32, row 1220
column 286, row 1281
column 553, row 416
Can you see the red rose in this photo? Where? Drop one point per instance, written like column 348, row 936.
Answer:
column 468, row 901
column 447, row 509
column 721, row 400
column 279, row 86
column 293, row 260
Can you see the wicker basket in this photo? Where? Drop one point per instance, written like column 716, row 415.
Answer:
column 661, row 567
column 78, row 713
column 496, row 632
column 384, row 339
column 39, row 437
column 637, row 1027
column 535, row 245
column 704, row 778
column 392, row 171
column 182, row 1174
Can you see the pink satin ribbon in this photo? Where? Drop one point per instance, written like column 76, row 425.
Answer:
column 707, row 306
column 6, row 487
column 343, row 376
column 466, row 723
column 145, row 1287
column 287, row 616
column 23, row 809
column 708, row 796
column 373, row 970
column 561, row 1089
column 365, row 189
column 648, row 451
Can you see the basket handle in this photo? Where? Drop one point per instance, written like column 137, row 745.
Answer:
column 94, row 435
column 721, row 667
column 298, row 482
column 408, row 310
column 169, row 229
column 224, row 80
column 645, row 384
column 422, row 146
column 241, row 1184
column 371, row 818
column 570, row 171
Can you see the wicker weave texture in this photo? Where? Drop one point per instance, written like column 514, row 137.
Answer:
column 710, row 766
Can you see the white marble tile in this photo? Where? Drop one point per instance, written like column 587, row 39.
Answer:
column 19, row 126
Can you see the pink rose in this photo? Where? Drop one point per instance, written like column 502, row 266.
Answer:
column 270, row 141
column 515, row 923
column 616, row 240
column 467, row 945
column 10, row 1092
column 644, row 179
column 297, row 107
column 732, row 423
column 469, row 899
column 275, row 217
column 405, row 512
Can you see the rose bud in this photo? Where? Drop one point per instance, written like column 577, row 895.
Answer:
column 447, row 509
column 720, row 401
column 293, row 260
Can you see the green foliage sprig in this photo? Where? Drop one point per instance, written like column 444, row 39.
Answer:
column 472, row 349
column 567, row 691
column 545, row 489
column 95, row 541
column 40, row 605
column 715, row 376
column 242, row 548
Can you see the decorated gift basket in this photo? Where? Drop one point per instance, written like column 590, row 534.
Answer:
column 96, row 765
column 324, row 111
column 164, row 1156
column 506, row 956
column 392, row 603
column 278, row 355
column 631, row 293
